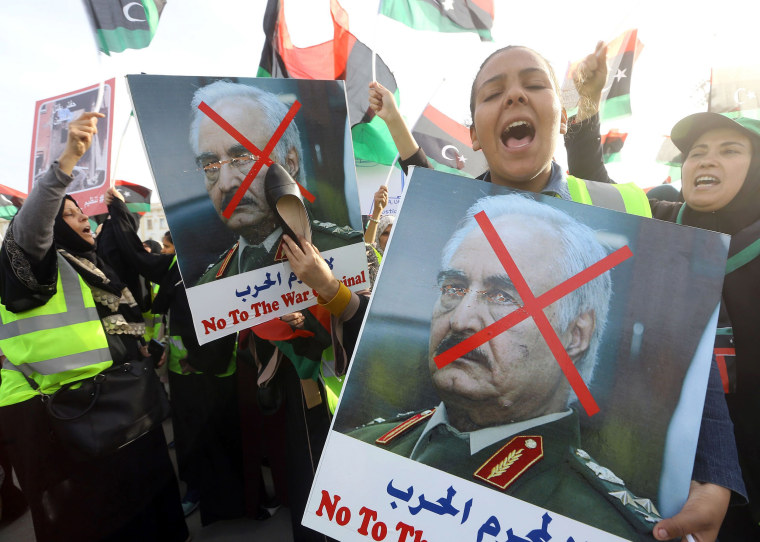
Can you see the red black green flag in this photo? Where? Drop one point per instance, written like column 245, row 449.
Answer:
column 10, row 201
column 622, row 53
column 735, row 91
column 137, row 197
column 343, row 58
column 443, row 15
column 124, row 24
column 612, row 144
column 447, row 144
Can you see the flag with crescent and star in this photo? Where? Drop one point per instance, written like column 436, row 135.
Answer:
column 10, row 201
column 612, row 144
column 443, row 15
column 124, row 24
column 447, row 143
column 735, row 91
column 344, row 58
column 622, row 53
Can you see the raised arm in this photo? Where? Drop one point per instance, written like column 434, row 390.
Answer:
column 33, row 225
column 378, row 204
column 583, row 138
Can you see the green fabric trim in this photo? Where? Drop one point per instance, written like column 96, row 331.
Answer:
column 305, row 367
column 612, row 108
column 138, row 207
column 724, row 331
column 743, row 257
column 422, row 15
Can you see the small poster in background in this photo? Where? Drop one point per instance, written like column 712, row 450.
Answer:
column 51, row 121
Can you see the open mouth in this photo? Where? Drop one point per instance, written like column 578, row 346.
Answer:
column 706, row 180
column 518, row 134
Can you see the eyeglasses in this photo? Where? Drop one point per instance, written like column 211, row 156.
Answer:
column 451, row 296
column 242, row 163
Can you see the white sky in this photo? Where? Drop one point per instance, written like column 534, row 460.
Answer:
column 47, row 48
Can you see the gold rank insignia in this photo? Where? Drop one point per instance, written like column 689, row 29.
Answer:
column 226, row 261
column 511, row 461
column 404, row 426
column 279, row 256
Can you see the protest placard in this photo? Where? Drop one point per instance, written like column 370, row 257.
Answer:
column 51, row 125
column 210, row 142
column 534, row 371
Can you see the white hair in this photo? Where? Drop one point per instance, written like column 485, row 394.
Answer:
column 270, row 105
column 581, row 250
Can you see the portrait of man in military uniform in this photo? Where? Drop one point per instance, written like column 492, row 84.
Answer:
column 225, row 162
column 456, row 370
column 200, row 157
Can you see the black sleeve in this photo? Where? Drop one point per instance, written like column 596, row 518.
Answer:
column 418, row 159
column 584, row 150
column 25, row 283
column 353, row 325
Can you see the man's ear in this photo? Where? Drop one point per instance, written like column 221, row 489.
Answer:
column 581, row 330
column 291, row 162
column 563, row 122
column 474, row 136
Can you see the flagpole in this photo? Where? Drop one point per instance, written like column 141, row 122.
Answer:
column 118, row 151
column 390, row 171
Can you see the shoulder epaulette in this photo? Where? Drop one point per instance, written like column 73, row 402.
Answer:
column 346, row 232
column 226, row 261
column 640, row 512
column 404, row 426
column 511, row 461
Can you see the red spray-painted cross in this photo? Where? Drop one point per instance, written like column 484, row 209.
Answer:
column 262, row 155
column 534, row 307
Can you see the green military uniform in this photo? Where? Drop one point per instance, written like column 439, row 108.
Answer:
column 324, row 235
column 542, row 465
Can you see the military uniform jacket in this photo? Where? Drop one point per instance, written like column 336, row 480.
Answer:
column 563, row 480
column 325, row 236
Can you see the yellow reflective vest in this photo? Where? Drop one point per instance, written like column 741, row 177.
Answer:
column 626, row 198
column 59, row 342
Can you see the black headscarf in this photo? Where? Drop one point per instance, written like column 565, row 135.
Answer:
column 69, row 240
column 740, row 212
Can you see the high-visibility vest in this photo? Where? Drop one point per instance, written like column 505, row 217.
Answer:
column 60, row 342
column 626, row 198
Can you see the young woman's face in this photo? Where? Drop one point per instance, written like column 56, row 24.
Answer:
column 715, row 168
column 517, row 118
column 383, row 239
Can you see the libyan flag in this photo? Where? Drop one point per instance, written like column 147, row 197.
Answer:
column 735, row 91
column 612, row 144
column 10, row 201
column 342, row 58
column 124, row 24
column 443, row 15
column 622, row 53
column 137, row 197
column 447, row 144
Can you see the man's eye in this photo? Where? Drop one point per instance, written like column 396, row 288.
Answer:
column 449, row 290
column 242, row 160
column 212, row 167
column 499, row 297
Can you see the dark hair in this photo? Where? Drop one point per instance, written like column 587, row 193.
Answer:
column 154, row 246
column 168, row 235
column 508, row 48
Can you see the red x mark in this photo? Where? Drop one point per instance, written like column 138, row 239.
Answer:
column 263, row 156
column 533, row 307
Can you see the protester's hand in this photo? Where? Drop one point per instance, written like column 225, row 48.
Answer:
column 310, row 267
column 382, row 102
column 112, row 194
column 144, row 350
column 700, row 517
column 162, row 359
column 294, row 319
column 186, row 367
column 589, row 79
column 380, row 200
column 78, row 140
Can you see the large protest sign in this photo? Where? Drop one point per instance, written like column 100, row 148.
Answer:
column 525, row 374
column 210, row 142
column 51, row 126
